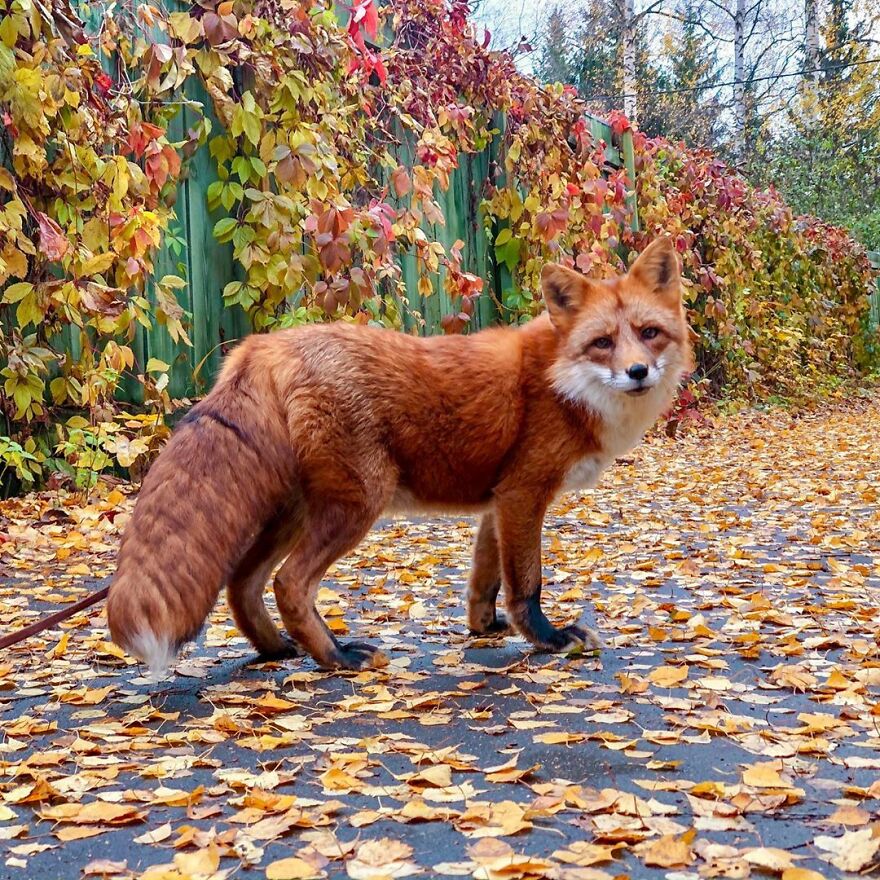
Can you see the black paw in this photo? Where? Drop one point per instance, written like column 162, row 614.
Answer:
column 286, row 650
column 356, row 655
column 568, row 638
column 498, row 626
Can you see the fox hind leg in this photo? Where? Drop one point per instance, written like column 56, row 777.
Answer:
column 246, row 588
column 333, row 529
column 485, row 581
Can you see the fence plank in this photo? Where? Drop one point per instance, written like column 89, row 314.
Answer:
column 159, row 343
column 874, row 315
column 210, row 263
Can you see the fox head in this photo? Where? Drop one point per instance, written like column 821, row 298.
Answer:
column 620, row 339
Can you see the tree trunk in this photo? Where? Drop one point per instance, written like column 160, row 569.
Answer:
column 739, row 75
column 811, row 30
column 628, row 39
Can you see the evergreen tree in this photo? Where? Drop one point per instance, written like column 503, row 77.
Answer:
column 654, row 81
column 597, row 61
column 691, row 112
column 828, row 162
column 554, row 63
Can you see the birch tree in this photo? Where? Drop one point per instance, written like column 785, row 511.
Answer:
column 630, row 22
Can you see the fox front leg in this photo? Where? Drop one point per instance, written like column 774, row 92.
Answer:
column 485, row 582
column 518, row 523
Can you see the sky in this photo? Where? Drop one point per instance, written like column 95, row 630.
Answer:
column 508, row 20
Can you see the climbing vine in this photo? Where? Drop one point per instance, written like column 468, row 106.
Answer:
column 332, row 135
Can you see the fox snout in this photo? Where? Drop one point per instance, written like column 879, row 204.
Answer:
column 640, row 375
column 635, row 379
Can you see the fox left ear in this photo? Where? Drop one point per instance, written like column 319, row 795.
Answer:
column 658, row 269
column 565, row 291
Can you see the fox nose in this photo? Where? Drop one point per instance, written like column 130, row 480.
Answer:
column 637, row 372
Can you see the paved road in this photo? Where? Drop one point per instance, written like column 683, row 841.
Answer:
column 735, row 580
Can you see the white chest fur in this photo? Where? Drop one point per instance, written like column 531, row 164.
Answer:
column 620, row 432
column 585, row 473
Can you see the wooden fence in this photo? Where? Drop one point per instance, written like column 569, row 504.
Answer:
column 208, row 265
column 874, row 257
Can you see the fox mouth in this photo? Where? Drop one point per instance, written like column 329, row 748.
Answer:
column 638, row 392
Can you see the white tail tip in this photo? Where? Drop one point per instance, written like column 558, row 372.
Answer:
column 158, row 653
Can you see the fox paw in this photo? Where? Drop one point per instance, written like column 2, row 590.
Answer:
column 498, row 626
column 568, row 638
column 284, row 650
column 357, row 655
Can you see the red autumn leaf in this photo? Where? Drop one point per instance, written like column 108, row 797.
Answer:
column 103, row 84
column 103, row 300
column 53, row 243
column 219, row 29
column 141, row 135
column 400, row 180
column 619, row 123
column 382, row 214
column 364, row 15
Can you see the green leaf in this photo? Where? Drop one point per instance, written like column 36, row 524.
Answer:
column 224, row 229
column 154, row 365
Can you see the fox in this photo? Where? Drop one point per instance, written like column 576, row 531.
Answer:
column 313, row 433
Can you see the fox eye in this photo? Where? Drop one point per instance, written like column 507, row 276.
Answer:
column 650, row 332
column 603, row 342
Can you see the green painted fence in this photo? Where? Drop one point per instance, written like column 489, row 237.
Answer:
column 874, row 257
column 208, row 266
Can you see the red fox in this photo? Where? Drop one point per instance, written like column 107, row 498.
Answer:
column 310, row 434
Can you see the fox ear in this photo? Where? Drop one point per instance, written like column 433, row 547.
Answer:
column 658, row 269
column 565, row 291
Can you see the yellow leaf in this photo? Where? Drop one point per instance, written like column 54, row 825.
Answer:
column 76, row 832
column 115, row 498
column 111, row 649
column 764, row 776
column 668, row 676
column 60, row 648
column 291, row 869
column 553, row 739
column 203, row 861
column 769, row 857
column 849, row 814
column 669, row 852
column 98, row 264
column 838, row 681
column 632, row 684
column 97, row 812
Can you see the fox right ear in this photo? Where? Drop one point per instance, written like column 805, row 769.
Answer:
column 565, row 291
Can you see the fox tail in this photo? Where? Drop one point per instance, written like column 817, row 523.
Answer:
column 210, row 492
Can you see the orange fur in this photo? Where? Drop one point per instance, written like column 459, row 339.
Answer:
column 310, row 434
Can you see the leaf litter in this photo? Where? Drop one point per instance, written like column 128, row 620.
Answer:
column 728, row 729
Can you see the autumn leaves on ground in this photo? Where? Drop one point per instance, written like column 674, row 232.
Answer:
column 729, row 728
